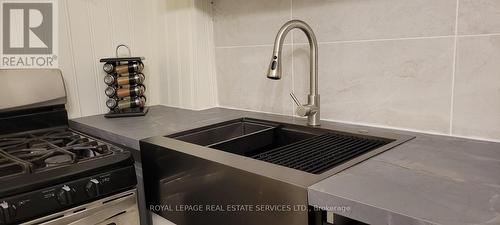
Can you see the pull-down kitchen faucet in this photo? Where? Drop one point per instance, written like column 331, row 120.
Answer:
column 311, row 109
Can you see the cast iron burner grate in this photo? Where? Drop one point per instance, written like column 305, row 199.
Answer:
column 319, row 154
column 45, row 150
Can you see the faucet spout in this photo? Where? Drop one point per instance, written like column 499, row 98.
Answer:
column 311, row 109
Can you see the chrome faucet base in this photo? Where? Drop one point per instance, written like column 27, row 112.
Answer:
column 314, row 118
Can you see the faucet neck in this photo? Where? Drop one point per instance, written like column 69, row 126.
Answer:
column 313, row 50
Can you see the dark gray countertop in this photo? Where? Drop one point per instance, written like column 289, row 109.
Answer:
column 428, row 180
column 160, row 120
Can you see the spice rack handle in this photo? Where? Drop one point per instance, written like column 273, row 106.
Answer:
column 122, row 45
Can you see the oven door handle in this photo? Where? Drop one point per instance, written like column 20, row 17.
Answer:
column 120, row 209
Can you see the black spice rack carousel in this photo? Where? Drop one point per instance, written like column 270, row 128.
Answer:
column 126, row 87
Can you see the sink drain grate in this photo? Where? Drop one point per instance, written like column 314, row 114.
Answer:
column 318, row 154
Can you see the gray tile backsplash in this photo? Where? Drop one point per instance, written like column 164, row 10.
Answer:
column 479, row 17
column 477, row 87
column 402, row 83
column 242, row 81
column 339, row 20
column 381, row 62
column 248, row 22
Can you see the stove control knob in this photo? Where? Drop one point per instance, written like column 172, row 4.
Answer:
column 93, row 188
column 7, row 212
column 65, row 195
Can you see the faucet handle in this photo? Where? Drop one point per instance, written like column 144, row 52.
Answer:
column 295, row 99
column 301, row 109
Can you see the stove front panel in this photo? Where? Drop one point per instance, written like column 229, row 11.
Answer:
column 31, row 205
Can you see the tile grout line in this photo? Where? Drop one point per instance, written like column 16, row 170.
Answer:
column 363, row 41
column 338, row 42
column 384, row 39
column 478, row 35
column 454, row 69
column 246, row 46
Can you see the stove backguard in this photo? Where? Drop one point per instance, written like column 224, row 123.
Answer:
column 33, row 119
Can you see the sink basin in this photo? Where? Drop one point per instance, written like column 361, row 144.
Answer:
column 263, row 141
column 254, row 162
column 311, row 150
column 245, row 137
column 213, row 134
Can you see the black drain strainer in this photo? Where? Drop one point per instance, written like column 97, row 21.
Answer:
column 319, row 154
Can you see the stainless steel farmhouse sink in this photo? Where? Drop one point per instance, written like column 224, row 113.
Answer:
column 307, row 149
column 244, row 136
column 252, row 162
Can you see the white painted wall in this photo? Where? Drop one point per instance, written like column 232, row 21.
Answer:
column 175, row 36
column 190, row 65
column 90, row 30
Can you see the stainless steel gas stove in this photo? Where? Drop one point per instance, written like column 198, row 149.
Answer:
column 50, row 174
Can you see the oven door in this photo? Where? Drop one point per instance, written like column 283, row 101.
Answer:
column 119, row 209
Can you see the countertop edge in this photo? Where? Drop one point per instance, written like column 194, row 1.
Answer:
column 105, row 135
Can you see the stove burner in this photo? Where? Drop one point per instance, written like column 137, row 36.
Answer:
column 36, row 151
column 58, row 160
